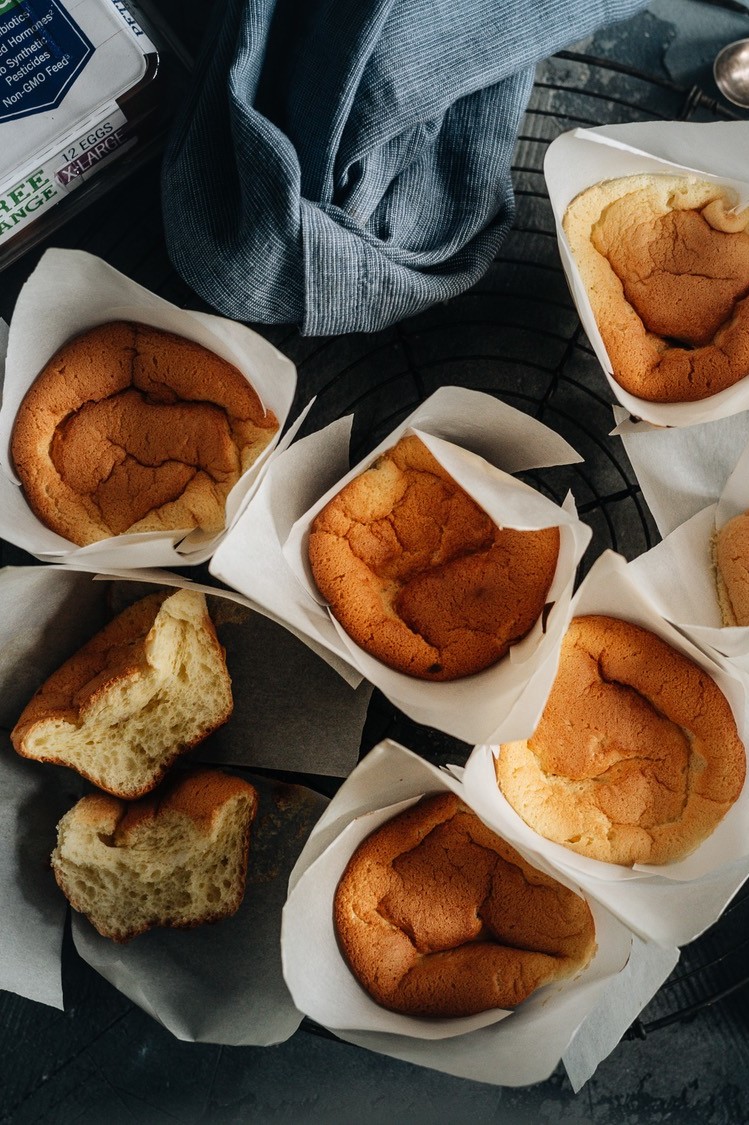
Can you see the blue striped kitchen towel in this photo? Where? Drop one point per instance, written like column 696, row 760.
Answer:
column 343, row 164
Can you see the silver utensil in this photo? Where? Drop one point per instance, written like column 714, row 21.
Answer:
column 731, row 72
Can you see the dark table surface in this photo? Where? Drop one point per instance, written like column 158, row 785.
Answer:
column 515, row 335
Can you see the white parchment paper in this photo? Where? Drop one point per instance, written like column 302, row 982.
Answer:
column 582, row 157
column 291, row 711
column 32, row 800
column 648, row 967
column 691, row 602
column 671, row 903
column 69, row 292
column 510, row 1049
column 480, row 441
column 682, row 471
column 219, row 983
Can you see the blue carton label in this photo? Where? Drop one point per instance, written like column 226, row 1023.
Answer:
column 42, row 52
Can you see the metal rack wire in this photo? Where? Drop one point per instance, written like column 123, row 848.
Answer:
column 714, row 967
column 515, row 335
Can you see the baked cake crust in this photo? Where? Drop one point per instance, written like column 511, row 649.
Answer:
column 176, row 859
column 419, row 576
column 636, row 757
column 128, row 428
column 438, row 916
column 665, row 262
column 142, row 691
column 731, row 560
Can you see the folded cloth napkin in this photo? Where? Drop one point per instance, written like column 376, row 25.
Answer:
column 342, row 165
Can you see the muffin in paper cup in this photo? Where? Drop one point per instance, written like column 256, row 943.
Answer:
column 672, row 902
column 506, row 1048
column 480, row 442
column 583, row 158
column 69, row 293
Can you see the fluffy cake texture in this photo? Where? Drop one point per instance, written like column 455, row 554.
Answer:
column 636, row 758
column 438, row 916
column 174, row 859
column 129, row 429
column 731, row 559
column 142, row 691
column 665, row 262
column 417, row 573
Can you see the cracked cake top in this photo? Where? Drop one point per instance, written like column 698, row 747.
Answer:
column 636, row 757
column 129, row 428
column 418, row 574
column 665, row 262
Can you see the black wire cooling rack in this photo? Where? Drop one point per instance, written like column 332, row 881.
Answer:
column 515, row 335
column 577, row 90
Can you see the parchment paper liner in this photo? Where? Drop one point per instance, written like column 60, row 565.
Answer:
column 68, row 292
column 671, row 903
column 510, row 1048
column 574, row 161
column 480, row 441
column 692, row 602
column 682, row 471
column 221, row 983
